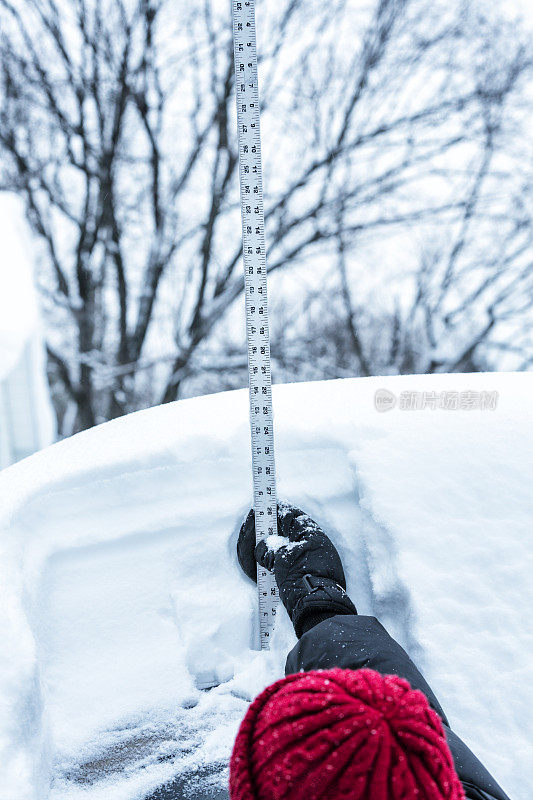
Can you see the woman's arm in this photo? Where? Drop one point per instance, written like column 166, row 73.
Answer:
column 312, row 587
column 354, row 642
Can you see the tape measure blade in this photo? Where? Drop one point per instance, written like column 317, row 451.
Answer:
column 256, row 299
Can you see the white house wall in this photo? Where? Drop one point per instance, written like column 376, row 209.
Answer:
column 26, row 416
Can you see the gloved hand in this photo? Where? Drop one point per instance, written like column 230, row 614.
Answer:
column 305, row 563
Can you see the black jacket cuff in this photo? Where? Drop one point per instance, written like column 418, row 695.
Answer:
column 324, row 598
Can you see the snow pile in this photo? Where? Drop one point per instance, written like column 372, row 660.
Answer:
column 122, row 596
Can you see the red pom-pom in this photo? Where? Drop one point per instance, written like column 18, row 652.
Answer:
column 340, row 733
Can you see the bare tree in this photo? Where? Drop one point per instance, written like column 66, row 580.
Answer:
column 117, row 123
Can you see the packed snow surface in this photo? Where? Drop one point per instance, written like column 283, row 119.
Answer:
column 122, row 596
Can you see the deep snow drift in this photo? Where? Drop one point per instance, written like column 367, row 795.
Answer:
column 121, row 593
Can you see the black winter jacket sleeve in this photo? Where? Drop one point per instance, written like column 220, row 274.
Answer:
column 354, row 642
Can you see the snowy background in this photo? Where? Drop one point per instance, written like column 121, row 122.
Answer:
column 397, row 175
column 121, row 593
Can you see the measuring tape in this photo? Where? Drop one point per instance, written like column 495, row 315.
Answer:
column 255, row 281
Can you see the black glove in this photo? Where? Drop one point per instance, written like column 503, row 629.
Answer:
column 306, row 565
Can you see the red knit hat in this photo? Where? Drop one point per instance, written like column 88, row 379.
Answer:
column 340, row 733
